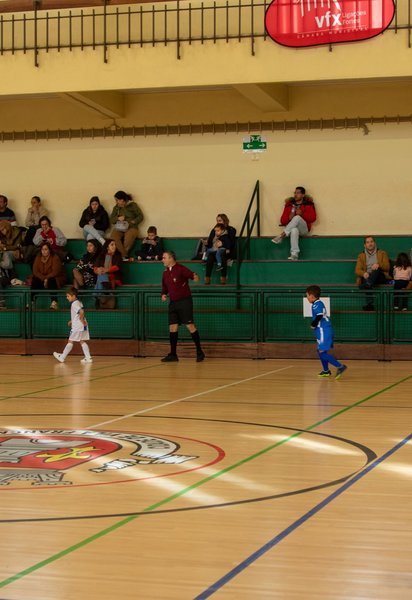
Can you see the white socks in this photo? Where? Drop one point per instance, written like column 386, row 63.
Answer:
column 86, row 350
column 67, row 350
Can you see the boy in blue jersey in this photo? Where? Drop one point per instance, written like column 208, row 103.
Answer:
column 323, row 332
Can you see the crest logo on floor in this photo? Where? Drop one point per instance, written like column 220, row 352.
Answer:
column 302, row 23
column 60, row 457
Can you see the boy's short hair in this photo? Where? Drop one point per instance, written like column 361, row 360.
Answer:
column 313, row 290
column 72, row 291
column 152, row 229
column 170, row 253
column 219, row 226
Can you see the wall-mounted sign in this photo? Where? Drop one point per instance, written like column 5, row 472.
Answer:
column 254, row 143
column 301, row 23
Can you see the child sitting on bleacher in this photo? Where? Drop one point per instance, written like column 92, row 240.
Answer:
column 402, row 275
column 220, row 246
column 152, row 246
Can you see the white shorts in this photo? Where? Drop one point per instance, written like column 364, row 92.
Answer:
column 79, row 336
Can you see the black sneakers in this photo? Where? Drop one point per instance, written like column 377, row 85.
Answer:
column 170, row 358
column 200, row 356
column 340, row 371
column 325, row 373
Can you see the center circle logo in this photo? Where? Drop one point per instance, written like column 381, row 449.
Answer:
column 41, row 458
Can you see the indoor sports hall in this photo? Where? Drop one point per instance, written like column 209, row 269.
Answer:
column 258, row 447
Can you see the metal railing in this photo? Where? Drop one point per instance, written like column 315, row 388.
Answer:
column 248, row 226
column 148, row 25
column 248, row 315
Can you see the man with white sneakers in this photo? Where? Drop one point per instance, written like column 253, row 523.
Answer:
column 298, row 215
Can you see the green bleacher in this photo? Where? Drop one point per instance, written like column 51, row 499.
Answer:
column 265, row 307
column 325, row 260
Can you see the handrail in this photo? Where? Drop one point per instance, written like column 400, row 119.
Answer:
column 31, row 26
column 243, row 244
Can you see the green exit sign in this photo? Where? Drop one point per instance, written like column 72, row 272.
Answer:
column 254, row 143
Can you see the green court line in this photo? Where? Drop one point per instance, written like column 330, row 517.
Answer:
column 190, row 488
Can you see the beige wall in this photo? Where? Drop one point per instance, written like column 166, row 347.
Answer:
column 360, row 183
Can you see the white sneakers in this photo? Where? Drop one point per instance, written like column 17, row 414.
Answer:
column 278, row 239
column 293, row 256
column 59, row 357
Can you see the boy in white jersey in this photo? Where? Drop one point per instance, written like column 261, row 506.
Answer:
column 79, row 331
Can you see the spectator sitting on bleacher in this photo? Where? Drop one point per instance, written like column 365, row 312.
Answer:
column 231, row 232
column 372, row 269
column 108, row 267
column 48, row 272
column 6, row 214
column 152, row 246
column 83, row 274
column 10, row 239
column 218, row 253
column 402, row 279
column 53, row 236
column 205, row 243
column 94, row 221
column 125, row 218
column 35, row 212
column 298, row 215
column 6, row 274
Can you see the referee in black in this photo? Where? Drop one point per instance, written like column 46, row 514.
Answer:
column 175, row 284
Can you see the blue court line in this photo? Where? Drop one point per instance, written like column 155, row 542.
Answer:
column 291, row 528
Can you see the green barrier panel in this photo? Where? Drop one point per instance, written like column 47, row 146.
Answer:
column 221, row 314
column 219, row 317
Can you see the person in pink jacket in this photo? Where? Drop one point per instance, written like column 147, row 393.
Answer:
column 298, row 215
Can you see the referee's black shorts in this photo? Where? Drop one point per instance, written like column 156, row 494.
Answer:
column 181, row 312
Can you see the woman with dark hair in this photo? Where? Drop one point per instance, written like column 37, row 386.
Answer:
column 231, row 232
column 228, row 243
column 125, row 218
column 52, row 235
column 402, row 276
column 48, row 272
column 94, row 221
column 83, row 274
column 108, row 267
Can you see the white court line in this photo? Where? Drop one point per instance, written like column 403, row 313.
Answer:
column 216, row 389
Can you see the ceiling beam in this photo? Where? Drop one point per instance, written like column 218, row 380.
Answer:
column 268, row 97
column 107, row 104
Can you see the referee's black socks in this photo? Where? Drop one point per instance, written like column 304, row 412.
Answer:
column 196, row 339
column 173, row 337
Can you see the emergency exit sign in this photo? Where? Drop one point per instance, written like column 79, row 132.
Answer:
column 254, row 143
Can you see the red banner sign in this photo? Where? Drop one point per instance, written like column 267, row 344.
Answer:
column 301, row 23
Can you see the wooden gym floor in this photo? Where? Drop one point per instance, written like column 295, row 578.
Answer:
column 232, row 479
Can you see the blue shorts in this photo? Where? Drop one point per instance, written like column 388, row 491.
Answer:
column 324, row 338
